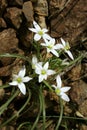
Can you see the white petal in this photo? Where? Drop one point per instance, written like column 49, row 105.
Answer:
column 36, row 26
column 52, row 40
column 65, row 97
column 33, row 30
column 34, row 60
column 55, row 53
column 37, row 37
column 58, row 46
column 70, row 54
column 41, row 78
column 13, row 83
column 46, row 36
column 46, row 65
column 43, row 44
column 59, row 82
column 65, row 62
column 22, row 88
column 22, row 72
column 50, row 72
column 46, row 40
column 15, row 76
column 44, row 76
column 26, row 79
column 63, row 42
column 54, row 86
column 38, row 68
column 65, row 89
column 39, row 65
column 44, row 30
column 48, row 50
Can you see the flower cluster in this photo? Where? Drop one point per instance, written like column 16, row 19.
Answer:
column 42, row 69
column 49, row 42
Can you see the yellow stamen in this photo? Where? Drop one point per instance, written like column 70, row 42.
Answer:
column 57, row 91
column 40, row 32
column 19, row 80
column 43, row 72
column 50, row 46
column 67, row 47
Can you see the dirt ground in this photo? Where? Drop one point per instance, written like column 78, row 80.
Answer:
column 63, row 18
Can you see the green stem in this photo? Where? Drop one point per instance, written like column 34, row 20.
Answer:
column 67, row 117
column 38, row 116
column 38, row 50
column 79, row 58
column 5, row 86
column 17, row 114
column 71, row 64
column 43, row 108
column 21, row 125
column 46, row 83
column 61, row 115
column 16, row 56
column 4, row 107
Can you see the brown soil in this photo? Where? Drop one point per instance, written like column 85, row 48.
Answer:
column 63, row 18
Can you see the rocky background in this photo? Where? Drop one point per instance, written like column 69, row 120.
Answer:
column 63, row 18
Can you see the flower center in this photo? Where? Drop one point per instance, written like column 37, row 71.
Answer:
column 19, row 80
column 43, row 72
column 40, row 32
column 67, row 47
column 50, row 46
column 57, row 91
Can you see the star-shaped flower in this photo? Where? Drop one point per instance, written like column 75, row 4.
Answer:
column 51, row 47
column 19, row 80
column 39, row 33
column 66, row 47
column 43, row 71
column 59, row 90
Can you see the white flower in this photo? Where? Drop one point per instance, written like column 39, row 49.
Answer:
column 40, row 33
column 19, row 80
column 43, row 71
column 51, row 47
column 59, row 90
column 66, row 48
